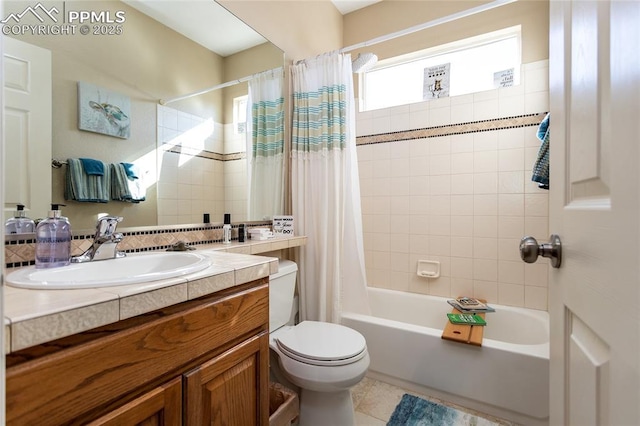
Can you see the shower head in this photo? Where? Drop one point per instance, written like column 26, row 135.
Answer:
column 364, row 62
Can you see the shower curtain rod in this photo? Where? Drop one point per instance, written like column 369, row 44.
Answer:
column 429, row 24
column 211, row 89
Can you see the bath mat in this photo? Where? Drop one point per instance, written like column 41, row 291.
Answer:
column 414, row 411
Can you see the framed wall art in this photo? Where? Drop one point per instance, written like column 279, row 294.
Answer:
column 103, row 111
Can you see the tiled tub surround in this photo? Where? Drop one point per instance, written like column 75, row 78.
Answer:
column 459, row 191
column 37, row 316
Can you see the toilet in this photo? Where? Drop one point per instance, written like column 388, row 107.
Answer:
column 324, row 360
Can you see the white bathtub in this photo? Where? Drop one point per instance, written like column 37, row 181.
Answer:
column 510, row 371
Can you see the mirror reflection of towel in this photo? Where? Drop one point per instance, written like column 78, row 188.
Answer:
column 92, row 167
column 124, row 188
column 541, row 166
column 84, row 187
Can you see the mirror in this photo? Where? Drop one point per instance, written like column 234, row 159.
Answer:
column 189, row 152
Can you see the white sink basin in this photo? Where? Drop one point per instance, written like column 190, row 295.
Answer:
column 137, row 268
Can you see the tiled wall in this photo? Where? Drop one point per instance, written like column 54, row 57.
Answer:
column 196, row 175
column 461, row 195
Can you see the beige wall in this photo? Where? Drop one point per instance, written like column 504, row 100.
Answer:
column 302, row 29
column 390, row 16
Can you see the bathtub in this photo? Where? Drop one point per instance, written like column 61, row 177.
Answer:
column 509, row 372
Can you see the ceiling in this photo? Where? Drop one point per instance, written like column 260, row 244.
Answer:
column 197, row 20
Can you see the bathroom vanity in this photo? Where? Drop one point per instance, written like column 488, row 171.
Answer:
column 203, row 360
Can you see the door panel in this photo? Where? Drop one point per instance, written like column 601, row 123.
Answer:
column 594, row 207
column 27, row 127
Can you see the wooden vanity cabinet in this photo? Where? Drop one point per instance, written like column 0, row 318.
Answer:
column 201, row 362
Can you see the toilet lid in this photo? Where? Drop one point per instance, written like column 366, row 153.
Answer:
column 321, row 343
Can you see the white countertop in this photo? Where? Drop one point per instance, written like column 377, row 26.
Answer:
column 33, row 317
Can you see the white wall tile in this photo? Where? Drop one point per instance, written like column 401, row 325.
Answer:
column 536, row 205
column 462, row 143
column 486, row 110
column 462, row 163
column 462, row 226
column 511, row 272
column 419, row 119
column 462, row 184
column 511, row 182
column 462, row 267
column 511, row 204
column 462, row 247
column 536, row 102
column 511, row 294
column 485, row 248
column 461, row 287
column 485, row 161
column 487, row 290
column 464, row 199
column 463, row 113
column 485, row 183
column 508, row 249
column 535, row 298
column 536, row 274
column 485, row 226
column 462, row 205
column 510, row 226
column 439, row 116
column 485, row 205
column 440, row 164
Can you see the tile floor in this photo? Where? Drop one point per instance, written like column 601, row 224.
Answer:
column 374, row 402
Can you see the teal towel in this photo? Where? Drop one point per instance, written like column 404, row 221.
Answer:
column 541, row 166
column 124, row 188
column 130, row 169
column 92, row 167
column 80, row 186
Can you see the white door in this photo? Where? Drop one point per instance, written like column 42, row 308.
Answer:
column 27, row 127
column 594, row 208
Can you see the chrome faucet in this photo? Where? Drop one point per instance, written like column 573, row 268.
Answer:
column 105, row 242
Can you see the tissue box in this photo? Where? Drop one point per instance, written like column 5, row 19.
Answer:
column 283, row 225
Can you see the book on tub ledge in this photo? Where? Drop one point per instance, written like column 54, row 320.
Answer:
column 469, row 305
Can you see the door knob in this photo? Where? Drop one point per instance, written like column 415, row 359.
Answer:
column 530, row 250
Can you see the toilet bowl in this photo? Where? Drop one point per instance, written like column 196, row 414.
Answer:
column 324, row 360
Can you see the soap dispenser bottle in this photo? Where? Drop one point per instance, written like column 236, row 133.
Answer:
column 19, row 224
column 53, row 240
column 226, row 229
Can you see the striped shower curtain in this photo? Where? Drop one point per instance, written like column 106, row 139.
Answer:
column 265, row 145
column 326, row 189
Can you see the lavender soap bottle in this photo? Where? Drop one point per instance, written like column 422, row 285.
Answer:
column 53, row 240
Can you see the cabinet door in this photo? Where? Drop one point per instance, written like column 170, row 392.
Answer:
column 231, row 389
column 161, row 406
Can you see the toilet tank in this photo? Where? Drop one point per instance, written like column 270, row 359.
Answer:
column 282, row 286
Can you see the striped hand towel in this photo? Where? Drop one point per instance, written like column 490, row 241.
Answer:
column 124, row 188
column 541, row 166
column 83, row 187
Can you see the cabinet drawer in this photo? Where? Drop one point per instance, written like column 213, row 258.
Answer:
column 130, row 356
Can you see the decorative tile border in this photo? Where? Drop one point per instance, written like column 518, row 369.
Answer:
column 22, row 252
column 454, row 129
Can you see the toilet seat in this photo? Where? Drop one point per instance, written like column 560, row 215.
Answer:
column 322, row 344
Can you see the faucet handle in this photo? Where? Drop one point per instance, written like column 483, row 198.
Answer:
column 107, row 225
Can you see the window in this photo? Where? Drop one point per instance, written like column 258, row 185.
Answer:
column 240, row 114
column 466, row 66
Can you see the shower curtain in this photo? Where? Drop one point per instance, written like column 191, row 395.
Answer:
column 265, row 145
column 326, row 189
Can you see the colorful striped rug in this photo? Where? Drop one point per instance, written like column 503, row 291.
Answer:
column 414, row 411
